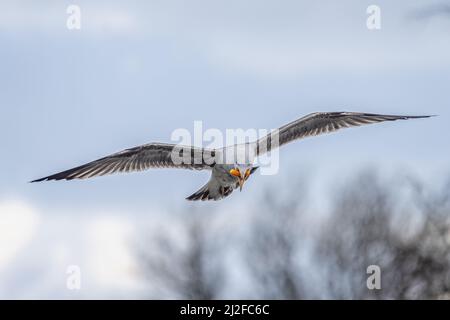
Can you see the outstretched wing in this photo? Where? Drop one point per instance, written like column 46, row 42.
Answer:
column 153, row 155
column 322, row 122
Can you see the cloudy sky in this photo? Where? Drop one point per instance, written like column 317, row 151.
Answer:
column 137, row 70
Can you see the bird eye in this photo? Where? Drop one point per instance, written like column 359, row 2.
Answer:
column 235, row 172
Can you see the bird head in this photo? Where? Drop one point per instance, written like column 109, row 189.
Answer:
column 241, row 172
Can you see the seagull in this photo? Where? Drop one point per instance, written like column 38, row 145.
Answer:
column 226, row 176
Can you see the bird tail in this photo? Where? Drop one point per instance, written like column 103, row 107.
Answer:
column 201, row 194
column 210, row 192
column 213, row 191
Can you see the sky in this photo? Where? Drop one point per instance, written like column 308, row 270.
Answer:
column 138, row 70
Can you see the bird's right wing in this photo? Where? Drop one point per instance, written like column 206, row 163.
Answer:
column 319, row 123
column 153, row 155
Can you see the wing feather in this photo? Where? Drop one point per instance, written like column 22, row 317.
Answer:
column 323, row 122
column 153, row 155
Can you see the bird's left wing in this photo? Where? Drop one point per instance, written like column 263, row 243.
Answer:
column 153, row 155
column 319, row 123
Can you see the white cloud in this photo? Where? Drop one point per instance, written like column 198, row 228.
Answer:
column 36, row 248
column 18, row 224
column 109, row 258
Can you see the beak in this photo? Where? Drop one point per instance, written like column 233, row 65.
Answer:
column 241, row 183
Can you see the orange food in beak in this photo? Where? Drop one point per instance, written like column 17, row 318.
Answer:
column 235, row 172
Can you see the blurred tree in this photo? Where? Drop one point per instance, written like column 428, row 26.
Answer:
column 401, row 226
column 178, row 268
column 272, row 248
column 413, row 251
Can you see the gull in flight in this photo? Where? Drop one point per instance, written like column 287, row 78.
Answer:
column 225, row 175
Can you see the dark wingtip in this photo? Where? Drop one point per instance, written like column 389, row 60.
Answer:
column 56, row 177
column 416, row 117
column 426, row 116
column 38, row 180
column 64, row 175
